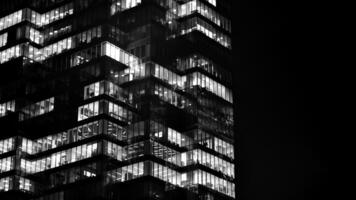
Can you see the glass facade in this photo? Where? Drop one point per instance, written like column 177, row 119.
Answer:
column 214, row 162
column 104, row 107
column 126, row 173
column 165, row 153
column 121, row 5
column 10, row 53
column 201, row 80
column 7, row 145
column 66, row 137
column 170, row 96
column 26, row 185
column 162, row 132
column 171, row 176
column 60, row 158
column 66, row 176
column 6, row 164
column 124, row 153
column 218, row 145
column 36, row 109
column 209, row 13
column 3, row 39
column 35, row 17
column 100, row 95
column 196, row 23
column 5, row 184
column 209, row 180
column 88, row 110
column 6, row 107
column 137, row 170
column 41, row 54
column 198, row 61
column 11, row 19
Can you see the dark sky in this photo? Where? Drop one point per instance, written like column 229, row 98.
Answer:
column 281, row 101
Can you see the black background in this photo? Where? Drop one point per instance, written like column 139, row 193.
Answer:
column 281, row 111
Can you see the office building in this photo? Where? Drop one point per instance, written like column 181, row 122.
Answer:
column 116, row 99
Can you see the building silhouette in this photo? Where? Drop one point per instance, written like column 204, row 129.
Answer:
column 116, row 99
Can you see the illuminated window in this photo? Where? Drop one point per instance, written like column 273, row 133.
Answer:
column 6, row 107
column 133, row 151
column 3, row 39
column 156, row 129
column 212, row 2
column 113, row 150
column 208, row 160
column 93, row 90
column 200, row 25
column 10, row 20
column 211, row 181
column 119, row 112
column 106, row 87
column 165, row 153
column 10, row 53
column 88, row 110
column 6, row 184
column 26, row 184
column 211, row 85
column 37, row 109
column 121, row 5
column 7, row 145
column 214, row 143
column 41, row 54
column 59, row 158
column 36, row 18
column 115, row 131
column 6, row 164
column 209, row 13
column 99, row 107
column 126, row 173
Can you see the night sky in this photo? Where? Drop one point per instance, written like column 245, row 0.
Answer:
column 280, row 88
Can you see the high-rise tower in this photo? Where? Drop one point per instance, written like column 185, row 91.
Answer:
column 116, row 99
